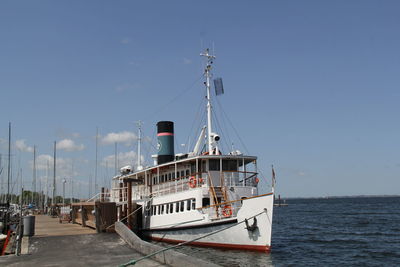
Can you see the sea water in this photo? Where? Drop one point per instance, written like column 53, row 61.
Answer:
column 362, row 231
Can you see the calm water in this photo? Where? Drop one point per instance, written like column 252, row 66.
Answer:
column 325, row 232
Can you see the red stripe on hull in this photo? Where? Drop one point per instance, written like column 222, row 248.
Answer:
column 216, row 245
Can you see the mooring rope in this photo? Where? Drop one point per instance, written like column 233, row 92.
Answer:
column 133, row 262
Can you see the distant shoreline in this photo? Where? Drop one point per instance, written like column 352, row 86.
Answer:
column 329, row 197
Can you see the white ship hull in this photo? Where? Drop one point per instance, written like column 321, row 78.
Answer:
column 233, row 232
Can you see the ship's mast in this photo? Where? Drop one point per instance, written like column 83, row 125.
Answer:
column 207, row 73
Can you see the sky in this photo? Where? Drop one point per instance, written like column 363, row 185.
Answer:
column 311, row 87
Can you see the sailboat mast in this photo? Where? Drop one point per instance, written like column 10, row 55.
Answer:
column 34, row 176
column 53, row 201
column 9, row 162
column 95, row 169
column 139, row 163
column 207, row 72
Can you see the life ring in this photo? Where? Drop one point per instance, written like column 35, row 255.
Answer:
column 256, row 180
column 227, row 211
column 192, row 182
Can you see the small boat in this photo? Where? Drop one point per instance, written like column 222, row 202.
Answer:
column 205, row 196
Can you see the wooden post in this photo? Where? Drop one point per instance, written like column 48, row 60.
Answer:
column 73, row 215
column 129, row 201
column 97, row 215
column 102, row 197
column 83, row 214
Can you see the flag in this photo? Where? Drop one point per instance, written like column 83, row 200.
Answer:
column 219, row 87
column 273, row 176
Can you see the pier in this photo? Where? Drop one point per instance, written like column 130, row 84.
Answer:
column 67, row 244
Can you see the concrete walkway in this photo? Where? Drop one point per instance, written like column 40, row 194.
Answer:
column 74, row 245
column 47, row 226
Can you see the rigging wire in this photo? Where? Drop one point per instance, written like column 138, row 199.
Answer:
column 181, row 93
column 224, row 124
column 234, row 129
column 196, row 118
column 218, row 126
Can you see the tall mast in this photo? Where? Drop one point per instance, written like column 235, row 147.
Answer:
column 9, row 162
column 139, row 164
column 207, row 73
column 34, row 176
column 54, row 175
column 95, row 169
column 47, row 184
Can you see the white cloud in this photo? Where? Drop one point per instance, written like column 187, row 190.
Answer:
column 187, row 61
column 20, row 145
column 69, row 145
column 127, row 87
column 301, row 173
column 123, row 159
column 126, row 40
column 121, row 137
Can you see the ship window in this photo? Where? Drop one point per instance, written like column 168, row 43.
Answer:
column 193, row 203
column 202, row 166
column 162, row 209
column 187, row 173
column 169, row 176
column 188, row 204
column 167, row 209
column 173, row 175
column 182, row 205
column 213, row 164
column 159, row 209
column 162, row 178
column 177, row 207
column 182, row 173
column 192, row 168
column 206, row 201
column 229, row 165
column 171, row 207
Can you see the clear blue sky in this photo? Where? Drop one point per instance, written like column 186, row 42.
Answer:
column 311, row 86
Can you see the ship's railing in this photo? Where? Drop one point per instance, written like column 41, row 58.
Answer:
column 105, row 197
column 240, row 178
column 222, row 211
column 180, row 184
column 119, row 194
column 230, row 178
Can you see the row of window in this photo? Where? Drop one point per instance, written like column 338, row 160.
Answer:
column 170, row 176
column 173, row 207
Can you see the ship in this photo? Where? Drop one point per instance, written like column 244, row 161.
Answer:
column 201, row 198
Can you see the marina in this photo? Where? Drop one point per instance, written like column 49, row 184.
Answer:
column 207, row 133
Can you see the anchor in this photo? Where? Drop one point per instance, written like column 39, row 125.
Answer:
column 252, row 227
